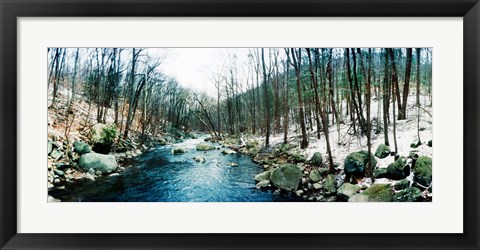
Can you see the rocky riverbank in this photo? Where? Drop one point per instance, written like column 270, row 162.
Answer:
column 92, row 154
column 288, row 169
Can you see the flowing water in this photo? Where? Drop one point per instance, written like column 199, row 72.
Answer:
column 159, row 176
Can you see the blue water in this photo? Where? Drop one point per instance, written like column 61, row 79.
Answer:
column 159, row 176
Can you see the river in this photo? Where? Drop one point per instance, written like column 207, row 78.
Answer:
column 159, row 176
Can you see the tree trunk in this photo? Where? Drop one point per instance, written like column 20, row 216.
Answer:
column 402, row 114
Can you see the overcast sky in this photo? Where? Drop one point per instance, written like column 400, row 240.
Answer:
column 193, row 67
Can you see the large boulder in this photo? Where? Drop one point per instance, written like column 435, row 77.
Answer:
column 422, row 172
column 382, row 151
column 98, row 162
column 315, row 176
column 408, row 194
column 347, row 190
column 299, row 157
column 399, row 185
column 81, row 147
column 356, row 162
column 399, row 169
column 178, row 150
column 329, row 184
column 316, row 159
column 286, row 177
column 379, row 193
column 380, row 173
column 358, row 198
column 205, row 147
column 102, row 138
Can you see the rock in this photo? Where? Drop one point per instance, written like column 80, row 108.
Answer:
column 253, row 151
column 399, row 185
column 429, row 143
column 98, row 173
column 51, row 199
column 286, row 147
column 228, row 152
column 330, row 183
column 323, row 171
column 316, row 159
column 413, row 155
column 382, row 151
column 49, row 147
column 409, row 194
column 286, row 177
column 98, row 162
column 315, row 176
column 399, row 169
column 59, row 172
column 358, row 198
column 356, row 162
column 379, row 193
column 233, row 164
column 56, row 154
column 299, row 192
column 317, row 185
column 380, row 173
column 178, row 150
column 137, row 152
column 81, row 147
column 415, row 144
column 299, row 158
column 263, row 176
column 199, row 158
column 102, row 138
column 263, row 184
column 205, row 147
column 422, row 172
column 347, row 190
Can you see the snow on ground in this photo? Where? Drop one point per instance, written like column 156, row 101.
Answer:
column 342, row 143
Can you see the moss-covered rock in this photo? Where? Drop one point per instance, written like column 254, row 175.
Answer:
column 178, row 150
column 380, row 173
column 81, row 147
column 315, row 176
column 422, row 172
column 299, row 157
column 415, row 144
column 399, row 185
column 379, row 193
column 347, row 190
column 316, row 159
column 399, row 169
column 286, row 147
column 205, row 147
column 356, row 162
column 329, row 183
column 286, row 177
column 382, row 151
column 409, row 194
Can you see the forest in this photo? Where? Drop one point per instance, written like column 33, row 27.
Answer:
column 259, row 124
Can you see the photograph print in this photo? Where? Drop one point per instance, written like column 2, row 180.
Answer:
column 239, row 124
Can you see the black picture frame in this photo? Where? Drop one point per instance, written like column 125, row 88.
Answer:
column 11, row 9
